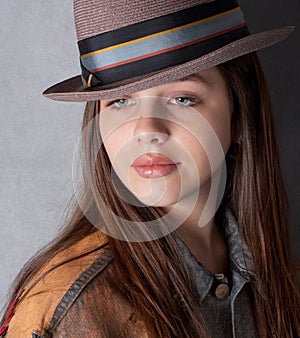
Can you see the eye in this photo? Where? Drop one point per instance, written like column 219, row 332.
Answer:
column 121, row 103
column 183, row 101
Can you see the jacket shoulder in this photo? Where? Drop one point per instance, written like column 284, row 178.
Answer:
column 58, row 282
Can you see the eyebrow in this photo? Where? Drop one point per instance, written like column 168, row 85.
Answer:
column 195, row 78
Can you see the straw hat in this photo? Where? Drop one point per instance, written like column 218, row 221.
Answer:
column 130, row 45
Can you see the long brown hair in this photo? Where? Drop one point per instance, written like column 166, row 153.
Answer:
column 254, row 192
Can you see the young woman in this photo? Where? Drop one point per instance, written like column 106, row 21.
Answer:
column 180, row 227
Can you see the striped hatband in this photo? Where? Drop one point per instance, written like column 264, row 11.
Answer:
column 159, row 43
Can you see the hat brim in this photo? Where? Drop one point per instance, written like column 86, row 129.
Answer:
column 72, row 89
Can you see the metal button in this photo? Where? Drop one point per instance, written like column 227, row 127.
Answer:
column 222, row 291
column 221, row 288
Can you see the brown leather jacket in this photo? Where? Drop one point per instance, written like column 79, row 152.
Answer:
column 75, row 299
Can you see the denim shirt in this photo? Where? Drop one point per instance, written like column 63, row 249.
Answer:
column 232, row 316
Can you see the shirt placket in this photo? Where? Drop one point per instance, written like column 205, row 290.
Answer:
column 242, row 319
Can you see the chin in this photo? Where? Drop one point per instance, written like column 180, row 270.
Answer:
column 154, row 200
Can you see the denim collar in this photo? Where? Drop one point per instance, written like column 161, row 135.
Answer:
column 239, row 254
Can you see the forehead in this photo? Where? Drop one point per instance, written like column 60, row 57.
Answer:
column 209, row 79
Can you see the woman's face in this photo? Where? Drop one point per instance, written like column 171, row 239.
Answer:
column 168, row 141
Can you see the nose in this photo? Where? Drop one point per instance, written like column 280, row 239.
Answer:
column 151, row 130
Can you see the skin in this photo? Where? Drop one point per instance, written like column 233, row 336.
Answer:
column 144, row 125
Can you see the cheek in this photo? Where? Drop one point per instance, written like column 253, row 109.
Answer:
column 114, row 142
column 221, row 123
column 223, row 132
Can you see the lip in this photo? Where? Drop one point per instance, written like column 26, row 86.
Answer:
column 153, row 165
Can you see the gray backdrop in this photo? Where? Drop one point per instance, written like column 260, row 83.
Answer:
column 38, row 136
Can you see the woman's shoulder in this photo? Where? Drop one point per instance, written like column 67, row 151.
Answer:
column 56, row 286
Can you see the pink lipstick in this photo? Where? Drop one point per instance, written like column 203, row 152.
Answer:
column 153, row 165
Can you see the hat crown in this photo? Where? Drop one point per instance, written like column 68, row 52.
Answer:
column 131, row 45
column 95, row 17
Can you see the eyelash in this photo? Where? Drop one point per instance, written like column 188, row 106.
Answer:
column 113, row 103
column 193, row 100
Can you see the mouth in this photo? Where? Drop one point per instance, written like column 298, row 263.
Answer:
column 153, row 165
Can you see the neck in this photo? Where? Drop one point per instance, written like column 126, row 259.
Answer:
column 204, row 239
column 207, row 244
